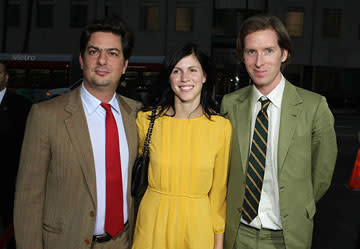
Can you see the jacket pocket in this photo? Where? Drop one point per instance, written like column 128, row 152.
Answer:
column 311, row 209
column 53, row 228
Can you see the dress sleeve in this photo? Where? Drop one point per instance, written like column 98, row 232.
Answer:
column 217, row 193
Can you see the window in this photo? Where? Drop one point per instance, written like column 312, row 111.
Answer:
column 39, row 78
column 79, row 13
column 58, row 77
column 226, row 22
column 295, row 22
column 332, row 22
column 184, row 19
column 13, row 13
column 17, row 78
column 149, row 18
column 132, row 78
column 149, row 78
column 45, row 13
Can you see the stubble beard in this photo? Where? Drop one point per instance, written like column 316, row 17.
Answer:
column 99, row 85
column 100, row 82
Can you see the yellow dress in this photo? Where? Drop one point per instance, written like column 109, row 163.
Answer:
column 184, row 205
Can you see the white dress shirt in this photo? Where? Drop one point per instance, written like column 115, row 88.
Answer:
column 95, row 116
column 269, row 206
column 2, row 94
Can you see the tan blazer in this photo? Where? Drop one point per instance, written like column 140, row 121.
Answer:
column 55, row 199
column 306, row 158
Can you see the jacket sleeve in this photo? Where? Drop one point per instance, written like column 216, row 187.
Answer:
column 30, row 184
column 323, row 149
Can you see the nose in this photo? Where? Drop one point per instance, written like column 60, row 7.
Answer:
column 102, row 57
column 184, row 77
column 259, row 60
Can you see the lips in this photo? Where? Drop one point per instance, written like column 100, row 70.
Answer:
column 259, row 73
column 186, row 88
column 101, row 72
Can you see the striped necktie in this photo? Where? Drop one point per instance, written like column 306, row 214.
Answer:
column 256, row 165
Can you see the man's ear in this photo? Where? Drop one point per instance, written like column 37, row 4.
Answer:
column 284, row 55
column 81, row 61
column 125, row 66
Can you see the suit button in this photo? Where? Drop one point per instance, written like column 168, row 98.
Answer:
column 239, row 209
column 92, row 213
column 87, row 241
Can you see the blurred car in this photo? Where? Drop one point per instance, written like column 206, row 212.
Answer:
column 52, row 93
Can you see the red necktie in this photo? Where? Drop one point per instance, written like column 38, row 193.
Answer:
column 114, row 216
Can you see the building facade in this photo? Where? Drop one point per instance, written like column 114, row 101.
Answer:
column 325, row 34
column 53, row 26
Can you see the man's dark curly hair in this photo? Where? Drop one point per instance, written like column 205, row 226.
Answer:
column 113, row 25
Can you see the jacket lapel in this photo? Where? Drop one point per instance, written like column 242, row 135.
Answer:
column 290, row 112
column 242, row 112
column 128, row 118
column 129, row 126
column 77, row 128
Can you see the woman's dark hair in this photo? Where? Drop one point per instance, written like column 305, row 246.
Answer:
column 163, row 94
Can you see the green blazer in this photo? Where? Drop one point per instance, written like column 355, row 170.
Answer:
column 306, row 158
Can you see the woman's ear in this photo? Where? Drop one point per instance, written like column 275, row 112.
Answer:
column 204, row 80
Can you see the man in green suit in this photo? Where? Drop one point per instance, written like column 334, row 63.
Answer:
column 283, row 147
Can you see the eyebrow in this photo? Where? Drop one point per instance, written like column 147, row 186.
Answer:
column 256, row 49
column 194, row 66
column 118, row 49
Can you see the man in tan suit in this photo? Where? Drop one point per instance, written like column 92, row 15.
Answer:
column 61, row 191
column 283, row 148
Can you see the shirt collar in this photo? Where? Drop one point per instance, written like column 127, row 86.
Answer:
column 275, row 96
column 2, row 94
column 91, row 103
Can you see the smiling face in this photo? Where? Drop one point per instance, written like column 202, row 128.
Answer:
column 263, row 58
column 103, row 62
column 187, row 79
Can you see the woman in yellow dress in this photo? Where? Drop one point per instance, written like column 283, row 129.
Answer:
column 184, row 204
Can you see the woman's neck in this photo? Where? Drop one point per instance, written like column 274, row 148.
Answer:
column 187, row 110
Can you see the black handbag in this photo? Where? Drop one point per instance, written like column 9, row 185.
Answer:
column 139, row 176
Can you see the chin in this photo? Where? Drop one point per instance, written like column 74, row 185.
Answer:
column 102, row 82
column 260, row 80
column 185, row 100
